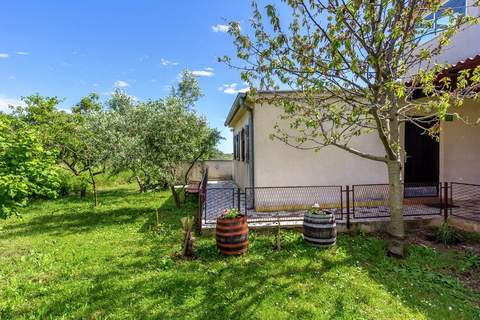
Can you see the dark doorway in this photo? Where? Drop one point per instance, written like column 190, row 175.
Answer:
column 422, row 164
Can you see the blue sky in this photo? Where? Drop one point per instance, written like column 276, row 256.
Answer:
column 71, row 48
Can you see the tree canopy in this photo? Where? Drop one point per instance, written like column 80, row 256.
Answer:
column 354, row 67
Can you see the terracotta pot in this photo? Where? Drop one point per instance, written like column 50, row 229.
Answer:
column 232, row 235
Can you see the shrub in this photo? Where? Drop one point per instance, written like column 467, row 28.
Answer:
column 446, row 234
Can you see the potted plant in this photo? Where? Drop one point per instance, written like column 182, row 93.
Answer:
column 232, row 232
column 319, row 227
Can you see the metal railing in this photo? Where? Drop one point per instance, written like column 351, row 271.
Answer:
column 362, row 202
column 265, row 204
column 464, row 200
column 370, row 201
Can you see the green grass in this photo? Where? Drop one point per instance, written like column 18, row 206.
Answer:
column 65, row 259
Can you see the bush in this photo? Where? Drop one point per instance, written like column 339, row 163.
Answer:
column 70, row 184
column 447, row 234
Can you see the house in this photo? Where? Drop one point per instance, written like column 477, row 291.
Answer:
column 262, row 162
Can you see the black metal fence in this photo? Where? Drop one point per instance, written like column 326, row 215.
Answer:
column 464, row 200
column 362, row 202
column 264, row 204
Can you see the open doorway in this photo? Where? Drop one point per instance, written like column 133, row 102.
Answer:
column 422, row 165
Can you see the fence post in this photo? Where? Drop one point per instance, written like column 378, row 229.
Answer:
column 198, row 219
column 238, row 200
column 348, row 205
column 445, row 201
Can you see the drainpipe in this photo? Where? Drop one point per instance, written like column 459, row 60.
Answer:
column 251, row 160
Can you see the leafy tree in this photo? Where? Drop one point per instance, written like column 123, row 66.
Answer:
column 154, row 139
column 27, row 169
column 180, row 137
column 350, row 64
column 88, row 104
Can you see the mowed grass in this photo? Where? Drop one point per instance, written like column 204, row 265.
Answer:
column 65, row 259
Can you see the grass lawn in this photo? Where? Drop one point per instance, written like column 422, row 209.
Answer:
column 65, row 259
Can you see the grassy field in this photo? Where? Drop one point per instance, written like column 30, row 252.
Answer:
column 65, row 259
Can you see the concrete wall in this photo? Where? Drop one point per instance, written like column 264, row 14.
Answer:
column 217, row 170
column 460, row 146
column 277, row 164
column 240, row 168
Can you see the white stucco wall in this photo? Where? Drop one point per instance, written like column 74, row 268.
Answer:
column 240, row 168
column 277, row 164
column 460, row 147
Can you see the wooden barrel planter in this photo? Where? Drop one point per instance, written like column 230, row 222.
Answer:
column 232, row 235
column 320, row 229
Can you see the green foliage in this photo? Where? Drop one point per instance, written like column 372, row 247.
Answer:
column 447, row 234
column 231, row 213
column 68, row 260
column 27, row 169
column 156, row 139
column 70, row 183
column 88, row 104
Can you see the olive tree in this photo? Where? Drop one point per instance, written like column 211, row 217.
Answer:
column 350, row 65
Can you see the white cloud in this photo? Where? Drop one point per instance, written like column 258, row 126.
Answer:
column 22, row 53
column 96, row 84
column 3, row 55
column 166, row 62
column 207, row 72
column 232, row 88
column 11, row 77
column 220, row 28
column 6, row 101
column 153, row 80
column 121, row 84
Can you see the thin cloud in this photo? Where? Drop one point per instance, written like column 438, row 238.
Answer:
column 121, row 84
column 143, row 58
column 6, row 101
column 220, row 28
column 232, row 88
column 207, row 72
column 3, row 55
column 165, row 62
column 22, row 53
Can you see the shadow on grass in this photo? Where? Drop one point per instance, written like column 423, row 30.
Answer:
column 71, row 215
column 152, row 284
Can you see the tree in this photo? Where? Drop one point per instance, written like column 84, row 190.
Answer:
column 27, row 169
column 180, row 137
column 154, row 139
column 88, row 104
column 349, row 63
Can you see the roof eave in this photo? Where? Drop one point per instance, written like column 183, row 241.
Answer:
column 237, row 104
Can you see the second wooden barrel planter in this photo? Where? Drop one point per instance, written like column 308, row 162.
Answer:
column 319, row 228
column 232, row 233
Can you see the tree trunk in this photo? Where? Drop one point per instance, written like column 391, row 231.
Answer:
column 176, row 196
column 83, row 192
column 396, row 228
column 140, row 185
column 94, row 187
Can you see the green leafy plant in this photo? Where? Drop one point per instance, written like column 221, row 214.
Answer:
column 446, row 234
column 315, row 209
column 231, row 213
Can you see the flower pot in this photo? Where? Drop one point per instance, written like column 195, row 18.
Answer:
column 320, row 230
column 232, row 235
